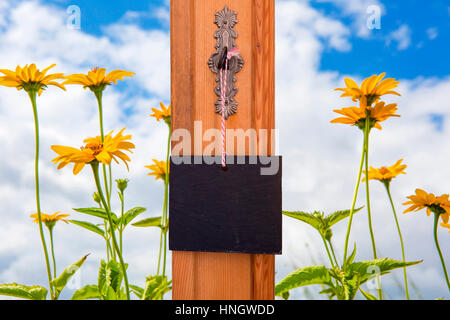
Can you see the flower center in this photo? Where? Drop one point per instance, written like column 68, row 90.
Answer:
column 371, row 98
column 32, row 86
column 361, row 123
column 96, row 148
column 436, row 208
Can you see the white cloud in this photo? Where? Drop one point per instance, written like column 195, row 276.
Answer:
column 401, row 36
column 300, row 17
column 64, row 120
column 4, row 5
column 162, row 14
column 320, row 158
column 357, row 9
column 432, row 33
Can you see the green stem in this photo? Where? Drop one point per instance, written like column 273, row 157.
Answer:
column 369, row 214
column 105, row 179
column 113, row 236
column 121, row 221
column 32, row 95
column 332, row 252
column 436, row 241
column 110, row 181
column 165, row 253
column 328, row 251
column 355, row 194
column 98, row 95
column 160, row 251
column 386, row 184
column 53, row 252
column 166, row 198
column 108, row 247
column 164, row 228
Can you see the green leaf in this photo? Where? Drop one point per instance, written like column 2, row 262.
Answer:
column 109, row 293
column 341, row 291
column 367, row 269
column 304, row 277
column 24, row 292
column 138, row 291
column 149, row 222
column 87, row 292
column 88, row 226
column 130, row 215
column 156, row 287
column 285, row 295
column 367, row 295
column 97, row 212
column 109, row 277
column 101, row 282
column 353, row 286
column 121, row 295
column 60, row 282
column 350, row 258
column 330, row 292
column 335, row 217
column 308, row 218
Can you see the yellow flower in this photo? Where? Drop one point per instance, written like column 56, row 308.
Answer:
column 97, row 79
column 95, row 150
column 158, row 169
column 50, row 219
column 357, row 115
column 163, row 114
column 386, row 174
column 372, row 88
column 446, row 225
column 422, row 200
column 30, row 78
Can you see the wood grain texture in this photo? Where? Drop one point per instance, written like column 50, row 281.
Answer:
column 203, row 275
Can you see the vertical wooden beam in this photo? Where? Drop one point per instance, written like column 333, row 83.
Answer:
column 204, row 275
column 263, row 117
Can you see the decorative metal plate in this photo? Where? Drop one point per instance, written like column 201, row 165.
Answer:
column 225, row 35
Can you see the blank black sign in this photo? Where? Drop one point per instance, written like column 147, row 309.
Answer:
column 212, row 210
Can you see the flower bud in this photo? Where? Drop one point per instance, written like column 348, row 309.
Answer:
column 329, row 234
column 96, row 197
column 122, row 184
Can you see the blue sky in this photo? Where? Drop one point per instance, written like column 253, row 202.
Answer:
column 426, row 55
column 322, row 41
column 97, row 14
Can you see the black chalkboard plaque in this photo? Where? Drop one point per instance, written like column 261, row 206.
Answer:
column 237, row 210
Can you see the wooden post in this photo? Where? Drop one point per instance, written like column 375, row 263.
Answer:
column 227, row 276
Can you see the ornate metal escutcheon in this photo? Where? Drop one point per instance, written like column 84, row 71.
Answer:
column 225, row 35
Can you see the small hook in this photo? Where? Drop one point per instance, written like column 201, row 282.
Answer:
column 223, row 58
